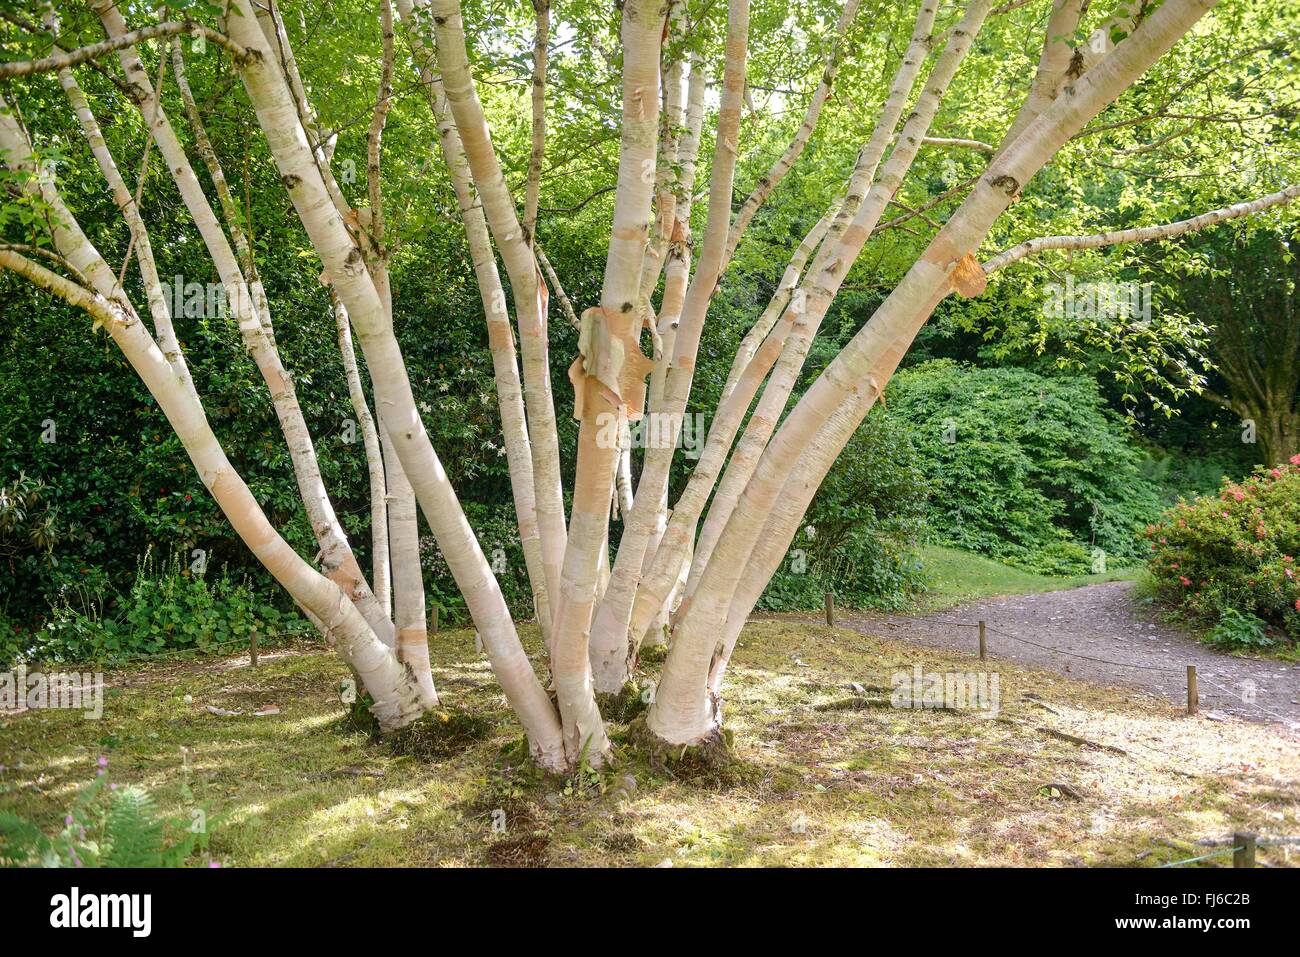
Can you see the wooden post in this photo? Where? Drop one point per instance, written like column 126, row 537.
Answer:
column 982, row 647
column 1244, row 856
column 252, row 648
column 433, row 618
column 1193, row 699
column 830, row 609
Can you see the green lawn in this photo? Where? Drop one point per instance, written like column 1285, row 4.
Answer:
column 825, row 772
column 958, row 576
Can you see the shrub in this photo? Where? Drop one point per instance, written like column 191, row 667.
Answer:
column 1221, row 557
column 1238, row 631
column 1032, row 470
column 859, row 533
column 168, row 608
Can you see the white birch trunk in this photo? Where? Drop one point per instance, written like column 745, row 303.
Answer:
column 380, row 573
column 822, row 422
column 395, row 697
column 526, row 283
column 610, row 636
column 501, row 339
column 336, row 556
column 346, row 272
column 609, row 381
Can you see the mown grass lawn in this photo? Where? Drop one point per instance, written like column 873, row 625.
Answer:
column 957, row 576
column 824, row 773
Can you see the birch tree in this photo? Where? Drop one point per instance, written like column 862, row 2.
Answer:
column 701, row 559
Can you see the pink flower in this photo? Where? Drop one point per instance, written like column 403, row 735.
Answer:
column 1276, row 473
column 1184, row 579
column 1295, row 460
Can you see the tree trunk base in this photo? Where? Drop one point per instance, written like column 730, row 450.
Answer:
column 624, row 705
column 710, row 755
column 437, row 735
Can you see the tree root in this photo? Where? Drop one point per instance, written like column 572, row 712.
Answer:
column 853, row 704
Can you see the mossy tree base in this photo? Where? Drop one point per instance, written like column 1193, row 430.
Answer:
column 711, row 755
column 624, row 705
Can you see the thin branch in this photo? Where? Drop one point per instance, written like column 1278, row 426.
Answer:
column 554, row 281
column 532, row 191
column 957, row 142
column 96, row 50
column 1144, row 233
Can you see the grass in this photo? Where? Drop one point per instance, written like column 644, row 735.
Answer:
column 824, row 774
column 959, row 576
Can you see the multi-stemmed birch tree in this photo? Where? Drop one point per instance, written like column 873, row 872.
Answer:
column 612, row 559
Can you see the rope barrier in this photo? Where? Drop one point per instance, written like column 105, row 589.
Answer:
column 1204, row 857
column 1250, row 704
column 1075, row 654
column 1261, row 842
column 1117, row 664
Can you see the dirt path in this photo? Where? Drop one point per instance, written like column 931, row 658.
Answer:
column 1100, row 633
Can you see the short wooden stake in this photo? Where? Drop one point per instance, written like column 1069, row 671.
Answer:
column 1193, row 699
column 1244, row 855
column 983, row 649
column 252, row 648
column 830, row 609
column 433, row 618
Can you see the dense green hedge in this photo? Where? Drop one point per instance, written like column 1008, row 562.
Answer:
column 1032, row 470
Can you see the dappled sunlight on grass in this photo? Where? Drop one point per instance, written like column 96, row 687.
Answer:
column 824, row 771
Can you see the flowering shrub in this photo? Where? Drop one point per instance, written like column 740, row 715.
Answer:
column 1235, row 553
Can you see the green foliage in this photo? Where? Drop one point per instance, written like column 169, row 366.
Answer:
column 28, row 522
column 858, row 537
column 168, row 608
column 118, row 482
column 1237, row 631
column 1231, row 557
column 107, row 826
column 1032, row 470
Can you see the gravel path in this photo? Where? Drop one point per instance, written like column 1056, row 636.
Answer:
column 1101, row 633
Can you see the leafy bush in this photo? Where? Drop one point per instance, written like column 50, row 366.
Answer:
column 1238, row 631
column 107, row 826
column 29, row 525
column 1032, row 470
column 168, row 608
column 1222, row 557
column 859, row 531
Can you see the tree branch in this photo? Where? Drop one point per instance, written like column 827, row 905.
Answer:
column 105, row 47
column 1141, row 234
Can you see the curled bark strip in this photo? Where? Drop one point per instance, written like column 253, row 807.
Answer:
column 967, row 278
column 609, row 351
